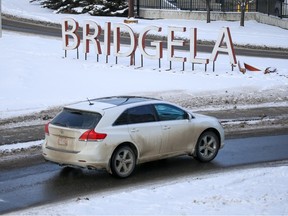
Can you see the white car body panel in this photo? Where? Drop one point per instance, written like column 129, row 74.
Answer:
column 152, row 140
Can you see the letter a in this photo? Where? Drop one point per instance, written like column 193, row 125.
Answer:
column 224, row 36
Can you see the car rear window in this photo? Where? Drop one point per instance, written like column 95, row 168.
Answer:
column 76, row 119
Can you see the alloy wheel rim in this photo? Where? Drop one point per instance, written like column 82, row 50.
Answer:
column 124, row 162
column 208, row 147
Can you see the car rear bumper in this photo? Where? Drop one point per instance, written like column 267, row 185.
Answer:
column 86, row 158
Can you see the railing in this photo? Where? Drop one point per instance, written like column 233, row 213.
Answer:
column 271, row 7
column 194, row 5
column 285, row 9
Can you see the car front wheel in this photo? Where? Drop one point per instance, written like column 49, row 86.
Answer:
column 123, row 162
column 207, row 147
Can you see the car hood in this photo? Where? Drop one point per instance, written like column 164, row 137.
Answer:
column 206, row 120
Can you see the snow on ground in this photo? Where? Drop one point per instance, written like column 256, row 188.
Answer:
column 256, row 191
column 35, row 76
column 4, row 149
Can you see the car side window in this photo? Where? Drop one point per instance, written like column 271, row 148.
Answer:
column 122, row 119
column 139, row 114
column 168, row 112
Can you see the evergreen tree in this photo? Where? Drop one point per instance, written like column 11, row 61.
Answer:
column 92, row 7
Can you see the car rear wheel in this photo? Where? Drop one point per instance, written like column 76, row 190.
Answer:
column 207, row 147
column 123, row 162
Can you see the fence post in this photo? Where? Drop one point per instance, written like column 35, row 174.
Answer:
column 281, row 9
column 138, row 8
column 160, row 4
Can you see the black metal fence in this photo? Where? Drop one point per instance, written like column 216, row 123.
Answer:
column 271, row 7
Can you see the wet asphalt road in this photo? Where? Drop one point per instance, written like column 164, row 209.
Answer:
column 36, row 182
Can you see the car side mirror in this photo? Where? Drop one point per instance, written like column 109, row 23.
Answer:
column 190, row 116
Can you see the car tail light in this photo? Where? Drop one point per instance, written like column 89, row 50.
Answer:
column 92, row 135
column 47, row 128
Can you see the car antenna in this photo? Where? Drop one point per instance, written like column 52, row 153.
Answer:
column 90, row 103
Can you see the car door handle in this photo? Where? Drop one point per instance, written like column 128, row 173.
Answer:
column 166, row 127
column 134, row 130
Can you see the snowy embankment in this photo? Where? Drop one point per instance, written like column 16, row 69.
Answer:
column 35, row 76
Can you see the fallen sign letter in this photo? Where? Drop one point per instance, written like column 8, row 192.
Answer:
column 248, row 67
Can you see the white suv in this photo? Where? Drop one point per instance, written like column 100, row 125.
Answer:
column 116, row 133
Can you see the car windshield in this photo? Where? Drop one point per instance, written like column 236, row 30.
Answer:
column 76, row 119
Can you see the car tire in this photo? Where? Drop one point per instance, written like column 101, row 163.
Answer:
column 207, row 147
column 123, row 162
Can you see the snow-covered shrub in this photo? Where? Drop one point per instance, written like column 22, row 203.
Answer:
column 92, row 7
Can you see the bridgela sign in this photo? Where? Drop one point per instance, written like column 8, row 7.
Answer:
column 92, row 31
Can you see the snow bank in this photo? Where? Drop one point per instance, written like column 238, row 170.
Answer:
column 35, row 76
column 258, row 191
